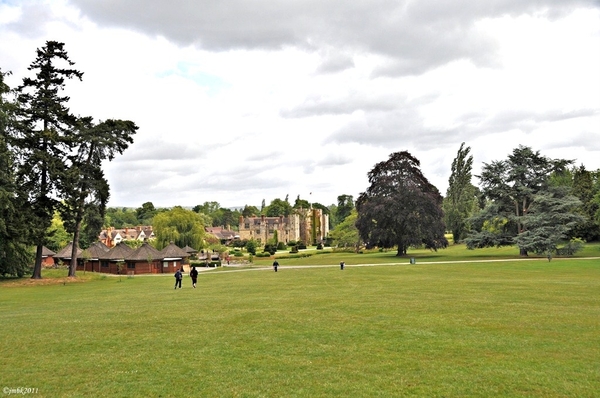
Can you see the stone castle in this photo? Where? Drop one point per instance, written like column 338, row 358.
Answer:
column 310, row 226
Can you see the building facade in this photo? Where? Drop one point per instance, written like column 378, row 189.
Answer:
column 307, row 225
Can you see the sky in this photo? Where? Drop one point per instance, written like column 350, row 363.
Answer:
column 248, row 100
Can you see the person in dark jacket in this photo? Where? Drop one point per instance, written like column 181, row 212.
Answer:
column 178, row 278
column 275, row 265
column 194, row 276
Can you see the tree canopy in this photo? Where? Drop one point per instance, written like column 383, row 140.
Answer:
column 401, row 207
column 44, row 136
column 511, row 187
column 181, row 226
column 14, row 255
column 461, row 195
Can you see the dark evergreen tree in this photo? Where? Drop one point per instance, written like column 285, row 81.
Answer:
column 14, row 256
column 401, row 207
column 510, row 187
column 549, row 220
column 45, row 136
column 84, row 189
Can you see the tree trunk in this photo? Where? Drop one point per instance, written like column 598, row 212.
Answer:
column 73, row 265
column 37, row 268
column 523, row 252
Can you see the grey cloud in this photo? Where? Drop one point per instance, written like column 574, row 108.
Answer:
column 34, row 17
column 414, row 35
column 159, row 150
column 334, row 62
column 319, row 106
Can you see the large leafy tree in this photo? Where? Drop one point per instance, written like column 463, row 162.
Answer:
column 45, row 135
column 120, row 217
column 345, row 234
column 84, row 189
column 14, row 256
column 250, row 211
column 461, row 195
column 181, row 226
column 344, row 207
column 401, row 207
column 145, row 213
column 278, row 208
column 510, row 187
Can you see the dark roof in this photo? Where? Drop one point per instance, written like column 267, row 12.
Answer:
column 96, row 250
column 144, row 252
column 47, row 252
column 173, row 251
column 190, row 250
column 221, row 233
column 66, row 251
column 120, row 252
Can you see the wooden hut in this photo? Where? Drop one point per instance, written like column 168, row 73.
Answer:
column 115, row 257
column 144, row 260
column 173, row 258
column 91, row 257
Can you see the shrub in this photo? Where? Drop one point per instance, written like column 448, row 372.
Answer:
column 572, row 247
column 281, row 246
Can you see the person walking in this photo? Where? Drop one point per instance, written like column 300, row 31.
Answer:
column 178, row 278
column 194, row 276
column 342, row 265
column 275, row 265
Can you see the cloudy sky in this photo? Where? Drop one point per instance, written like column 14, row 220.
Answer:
column 244, row 100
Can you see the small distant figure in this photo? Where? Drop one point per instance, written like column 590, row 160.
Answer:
column 194, row 276
column 342, row 265
column 178, row 278
column 275, row 265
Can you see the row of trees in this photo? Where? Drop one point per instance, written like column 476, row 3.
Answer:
column 527, row 200
column 51, row 161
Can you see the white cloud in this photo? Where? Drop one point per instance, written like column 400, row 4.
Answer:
column 246, row 101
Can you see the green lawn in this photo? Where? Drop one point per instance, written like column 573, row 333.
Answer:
column 515, row 329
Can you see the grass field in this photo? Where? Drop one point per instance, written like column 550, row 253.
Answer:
column 513, row 329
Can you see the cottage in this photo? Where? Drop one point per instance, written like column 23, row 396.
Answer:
column 111, row 236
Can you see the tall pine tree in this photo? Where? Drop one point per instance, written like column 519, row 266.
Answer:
column 45, row 135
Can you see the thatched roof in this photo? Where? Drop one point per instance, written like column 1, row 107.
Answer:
column 173, row 251
column 144, row 252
